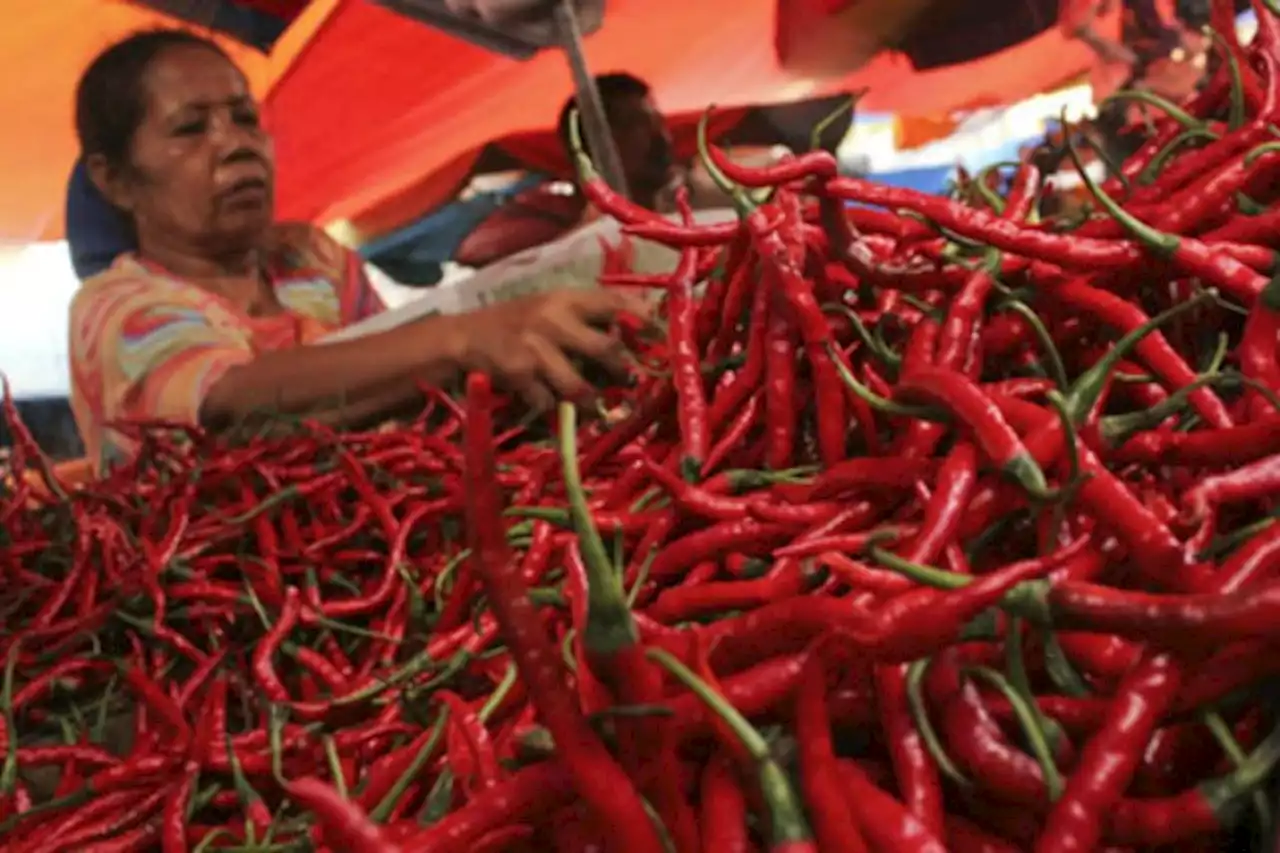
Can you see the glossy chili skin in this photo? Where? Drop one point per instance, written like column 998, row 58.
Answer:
column 602, row 781
column 834, row 825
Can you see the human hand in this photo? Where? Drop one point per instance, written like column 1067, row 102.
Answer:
column 527, row 345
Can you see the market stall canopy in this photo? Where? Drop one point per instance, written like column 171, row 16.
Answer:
column 368, row 105
column 355, row 136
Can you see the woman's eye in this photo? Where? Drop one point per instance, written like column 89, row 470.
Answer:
column 190, row 128
column 248, row 118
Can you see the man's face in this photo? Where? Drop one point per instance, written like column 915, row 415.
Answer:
column 643, row 140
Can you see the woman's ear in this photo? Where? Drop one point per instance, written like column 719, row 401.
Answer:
column 109, row 181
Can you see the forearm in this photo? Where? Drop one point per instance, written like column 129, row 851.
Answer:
column 399, row 400
column 339, row 383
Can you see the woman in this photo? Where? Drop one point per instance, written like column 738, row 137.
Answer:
column 206, row 323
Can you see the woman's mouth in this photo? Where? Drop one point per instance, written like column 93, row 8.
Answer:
column 247, row 191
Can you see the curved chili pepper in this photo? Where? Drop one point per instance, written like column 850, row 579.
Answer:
column 789, row 832
column 724, row 809
column 914, row 768
column 685, row 354
column 968, row 404
column 264, row 652
column 820, row 780
column 989, row 228
column 884, row 821
column 1192, row 256
column 600, row 780
column 1110, row 758
column 343, row 824
column 173, row 832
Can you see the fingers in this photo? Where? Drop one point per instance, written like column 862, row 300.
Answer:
column 602, row 305
column 557, row 372
column 604, row 349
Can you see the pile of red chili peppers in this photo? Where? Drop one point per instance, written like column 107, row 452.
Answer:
column 927, row 525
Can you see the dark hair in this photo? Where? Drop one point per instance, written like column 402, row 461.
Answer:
column 110, row 102
column 613, row 87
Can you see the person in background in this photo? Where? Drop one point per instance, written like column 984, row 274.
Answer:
column 209, row 322
column 1147, row 36
column 640, row 134
column 549, row 211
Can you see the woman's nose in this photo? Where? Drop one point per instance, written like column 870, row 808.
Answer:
column 228, row 135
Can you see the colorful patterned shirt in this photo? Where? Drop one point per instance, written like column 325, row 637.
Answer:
column 147, row 345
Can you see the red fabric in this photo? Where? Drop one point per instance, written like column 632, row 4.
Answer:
column 357, row 132
column 284, row 9
column 1074, row 14
column 377, row 107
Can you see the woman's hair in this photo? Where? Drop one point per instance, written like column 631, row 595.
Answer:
column 110, row 101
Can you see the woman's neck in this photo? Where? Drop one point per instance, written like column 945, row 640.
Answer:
column 198, row 266
column 238, row 276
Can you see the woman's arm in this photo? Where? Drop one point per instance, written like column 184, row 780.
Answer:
column 340, row 383
column 527, row 345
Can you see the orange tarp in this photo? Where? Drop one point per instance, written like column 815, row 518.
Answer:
column 368, row 106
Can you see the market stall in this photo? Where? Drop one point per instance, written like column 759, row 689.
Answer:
column 918, row 524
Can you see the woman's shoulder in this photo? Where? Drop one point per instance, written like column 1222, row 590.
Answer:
column 127, row 281
column 300, row 247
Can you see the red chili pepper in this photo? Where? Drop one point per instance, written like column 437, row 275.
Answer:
column 526, row 794
column 857, row 474
column 780, row 396
column 885, row 822
column 264, row 671
column 173, row 834
column 599, row 779
column 1191, row 814
column 1109, row 759
column 915, row 770
column 1193, row 257
column 833, row 822
column 342, row 823
column 747, row 535
column 967, row 402
column 159, row 703
column 724, row 809
column 685, row 354
column 788, row 831
column 978, row 744
column 1063, row 250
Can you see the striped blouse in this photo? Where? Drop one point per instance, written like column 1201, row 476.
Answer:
column 147, row 345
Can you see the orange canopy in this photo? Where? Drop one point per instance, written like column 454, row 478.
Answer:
column 369, row 107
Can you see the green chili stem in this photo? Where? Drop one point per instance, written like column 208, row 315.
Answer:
column 787, row 820
column 438, row 800
column 9, row 775
column 1030, row 724
column 1116, row 429
column 877, row 348
column 847, row 105
column 1059, row 668
column 1231, row 749
column 1152, row 170
column 1057, row 370
column 610, row 626
column 1166, row 106
column 383, row 810
column 499, row 694
column 874, row 400
column 1088, row 386
column 335, row 765
column 1016, row 665
column 928, row 734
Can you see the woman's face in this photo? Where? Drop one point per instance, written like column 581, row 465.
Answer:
column 202, row 171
